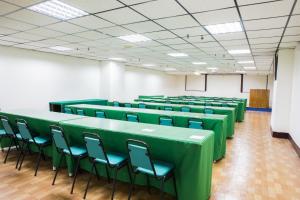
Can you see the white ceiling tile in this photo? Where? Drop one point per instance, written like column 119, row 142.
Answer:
column 177, row 22
column 25, row 46
column 160, row 35
column 205, row 5
column 288, row 44
column 45, row 32
column 182, row 46
column 5, row 31
column 24, row 3
column 218, row 16
column 7, row 8
column 294, row 21
column 142, row 27
column 204, row 38
column 230, row 36
column 292, row 31
column 278, row 22
column 66, row 27
column 116, row 31
column 54, row 42
column 265, row 33
column 234, row 42
column 71, row 38
column 6, row 43
column 92, row 35
column 13, row 24
column 91, row 22
column 94, row 6
column 131, row 2
column 172, row 41
column 271, row 45
column 264, row 40
column 32, row 17
column 13, row 39
column 122, row 16
column 295, row 38
column 266, row 10
column 27, row 36
column 193, row 31
column 160, row 9
column 297, row 8
column 207, row 44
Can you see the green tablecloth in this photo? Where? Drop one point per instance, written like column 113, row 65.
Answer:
column 151, row 96
column 190, row 150
column 240, row 111
column 229, row 111
column 58, row 106
column 217, row 123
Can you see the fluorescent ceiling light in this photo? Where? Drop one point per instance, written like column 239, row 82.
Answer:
column 239, row 51
column 117, row 59
column 199, row 63
column 58, row 10
column 178, row 54
column 246, row 62
column 60, row 48
column 148, row 65
column 240, row 71
column 199, row 73
column 224, row 28
column 212, row 68
column 170, row 69
column 134, row 38
column 250, row 68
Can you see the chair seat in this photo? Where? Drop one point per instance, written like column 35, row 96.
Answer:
column 41, row 140
column 18, row 135
column 2, row 133
column 113, row 158
column 161, row 168
column 76, row 151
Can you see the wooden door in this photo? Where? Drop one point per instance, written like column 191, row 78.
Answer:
column 259, row 98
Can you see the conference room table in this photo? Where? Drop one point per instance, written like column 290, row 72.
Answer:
column 216, row 123
column 58, row 106
column 230, row 112
column 190, row 150
column 240, row 111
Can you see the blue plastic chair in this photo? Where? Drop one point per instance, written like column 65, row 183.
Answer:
column 8, row 132
column 68, row 110
column 208, row 111
column 80, row 112
column 100, row 114
column 127, row 105
column 166, row 121
column 195, row 124
column 185, row 109
column 98, row 155
column 27, row 139
column 142, row 105
column 142, row 162
column 116, row 104
column 63, row 147
column 132, row 117
column 168, row 108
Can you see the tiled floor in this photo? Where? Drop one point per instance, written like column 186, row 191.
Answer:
column 256, row 167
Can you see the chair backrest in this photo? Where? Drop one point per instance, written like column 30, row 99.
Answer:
column 224, row 105
column 80, row 112
column 95, row 147
column 23, row 129
column 127, row 105
column 191, row 103
column 6, row 125
column 166, row 121
column 208, row 111
column 68, row 110
column 185, row 109
column 59, row 138
column 195, row 124
column 116, row 104
column 140, row 157
column 168, row 108
column 132, row 118
column 142, row 105
column 100, row 114
column 207, row 104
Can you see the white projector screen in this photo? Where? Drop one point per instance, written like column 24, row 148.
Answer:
column 195, row 83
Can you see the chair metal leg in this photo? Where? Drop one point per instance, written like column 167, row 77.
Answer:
column 16, row 144
column 75, row 176
column 38, row 162
column 114, row 182
column 43, row 155
column 162, row 188
column 90, row 178
column 19, row 156
column 148, row 184
column 107, row 174
column 57, row 169
column 132, row 186
column 97, row 173
column 8, row 151
column 22, row 160
column 175, row 187
column 129, row 174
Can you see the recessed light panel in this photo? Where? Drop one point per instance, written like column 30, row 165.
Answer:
column 212, row 68
column 178, row 54
column 60, row 48
column 246, row 62
column 199, row 63
column 148, row 65
column 116, row 59
column 240, row 72
column 224, row 28
column 170, row 69
column 250, row 68
column 239, row 51
column 58, row 10
column 134, row 38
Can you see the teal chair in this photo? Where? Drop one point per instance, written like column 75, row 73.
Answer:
column 225, row 105
column 68, row 110
column 9, row 133
column 208, row 104
column 40, row 142
column 62, row 146
column 166, row 121
column 132, row 117
column 168, row 108
column 142, row 105
column 116, row 104
column 208, row 111
column 185, row 109
column 100, row 114
column 195, row 124
column 191, row 103
column 127, row 105
column 142, row 163
column 80, row 112
column 98, row 155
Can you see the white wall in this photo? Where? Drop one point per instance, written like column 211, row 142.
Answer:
column 31, row 79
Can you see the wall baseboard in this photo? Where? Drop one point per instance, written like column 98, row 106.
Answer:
column 283, row 135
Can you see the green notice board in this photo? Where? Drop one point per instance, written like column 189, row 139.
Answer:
column 217, row 123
